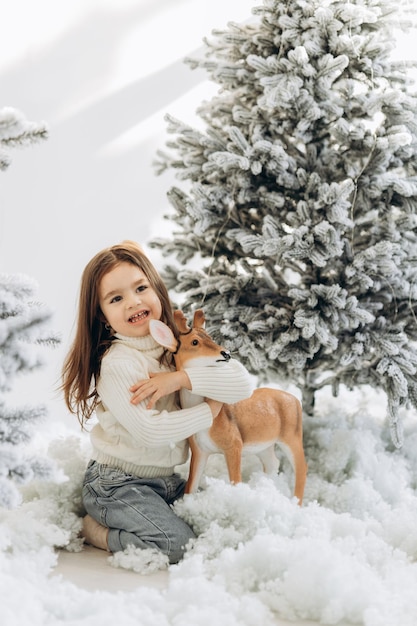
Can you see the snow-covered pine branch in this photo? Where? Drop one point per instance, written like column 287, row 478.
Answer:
column 16, row 131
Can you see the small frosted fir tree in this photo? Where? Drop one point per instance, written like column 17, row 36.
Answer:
column 300, row 209
column 23, row 330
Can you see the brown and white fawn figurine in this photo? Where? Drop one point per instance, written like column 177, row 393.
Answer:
column 268, row 417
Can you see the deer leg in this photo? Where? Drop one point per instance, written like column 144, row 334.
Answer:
column 295, row 452
column 233, row 456
column 269, row 460
column 300, row 468
column 197, row 465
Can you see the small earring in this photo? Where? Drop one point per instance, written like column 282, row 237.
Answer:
column 108, row 327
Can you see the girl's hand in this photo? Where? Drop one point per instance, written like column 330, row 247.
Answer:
column 214, row 405
column 157, row 386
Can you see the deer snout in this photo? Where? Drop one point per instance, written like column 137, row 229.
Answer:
column 226, row 355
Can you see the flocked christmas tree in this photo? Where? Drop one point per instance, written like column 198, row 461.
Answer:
column 298, row 209
column 23, row 330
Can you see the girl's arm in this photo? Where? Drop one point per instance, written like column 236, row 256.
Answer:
column 157, row 386
column 152, row 428
column 229, row 382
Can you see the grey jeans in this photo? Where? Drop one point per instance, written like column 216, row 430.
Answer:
column 136, row 510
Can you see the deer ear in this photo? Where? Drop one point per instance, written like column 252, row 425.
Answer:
column 163, row 335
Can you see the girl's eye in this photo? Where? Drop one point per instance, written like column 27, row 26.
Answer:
column 142, row 287
column 115, row 299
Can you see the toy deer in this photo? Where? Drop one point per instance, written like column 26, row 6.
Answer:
column 255, row 425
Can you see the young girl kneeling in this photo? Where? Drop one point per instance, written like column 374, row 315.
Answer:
column 118, row 372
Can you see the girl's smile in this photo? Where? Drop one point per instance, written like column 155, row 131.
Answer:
column 137, row 317
column 128, row 301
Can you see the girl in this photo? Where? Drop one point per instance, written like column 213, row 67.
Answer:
column 117, row 371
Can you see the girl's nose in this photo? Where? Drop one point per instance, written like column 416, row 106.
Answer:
column 133, row 300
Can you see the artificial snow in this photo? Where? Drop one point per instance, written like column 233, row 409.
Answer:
column 348, row 555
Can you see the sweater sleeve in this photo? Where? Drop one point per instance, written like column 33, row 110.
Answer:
column 152, row 428
column 229, row 382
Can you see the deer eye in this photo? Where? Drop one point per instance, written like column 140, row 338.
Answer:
column 194, row 342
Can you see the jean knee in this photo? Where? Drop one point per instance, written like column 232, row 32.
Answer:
column 179, row 543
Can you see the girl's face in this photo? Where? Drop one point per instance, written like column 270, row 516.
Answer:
column 128, row 301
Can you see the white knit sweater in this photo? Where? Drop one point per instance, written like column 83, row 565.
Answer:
column 150, row 443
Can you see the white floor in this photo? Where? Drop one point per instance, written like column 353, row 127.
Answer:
column 89, row 569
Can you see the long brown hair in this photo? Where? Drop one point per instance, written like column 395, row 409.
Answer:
column 92, row 339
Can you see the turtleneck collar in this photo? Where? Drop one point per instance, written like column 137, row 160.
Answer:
column 140, row 343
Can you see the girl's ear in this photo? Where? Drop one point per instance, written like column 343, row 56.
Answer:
column 163, row 335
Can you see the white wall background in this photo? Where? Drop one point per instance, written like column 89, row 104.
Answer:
column 102, row 74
